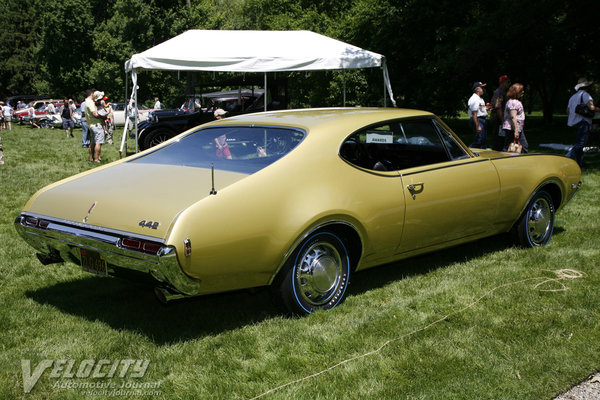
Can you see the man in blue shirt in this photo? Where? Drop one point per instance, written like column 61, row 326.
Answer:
column 579, row 123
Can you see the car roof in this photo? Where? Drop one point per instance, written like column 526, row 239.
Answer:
column 347, row 118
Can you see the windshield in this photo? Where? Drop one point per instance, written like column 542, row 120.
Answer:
column 232, row 148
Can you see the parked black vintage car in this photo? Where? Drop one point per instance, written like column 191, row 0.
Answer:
column 165, row 124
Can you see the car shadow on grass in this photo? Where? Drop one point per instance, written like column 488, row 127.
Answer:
column 124, row 305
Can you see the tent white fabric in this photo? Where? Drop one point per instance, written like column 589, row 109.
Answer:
column 255, row 51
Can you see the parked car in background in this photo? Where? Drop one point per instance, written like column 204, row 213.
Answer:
column 47, row 120
column 120, row 113
column 299, row 200
column 41, row 113
column 165, row 124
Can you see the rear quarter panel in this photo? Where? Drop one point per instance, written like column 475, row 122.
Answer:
column 242, row 235
column 521, row 175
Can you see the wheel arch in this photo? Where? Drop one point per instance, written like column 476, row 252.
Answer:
column 554, row 191
column 348, row 233
column 553, row 188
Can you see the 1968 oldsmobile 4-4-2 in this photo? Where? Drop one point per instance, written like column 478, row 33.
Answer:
column 297, row 199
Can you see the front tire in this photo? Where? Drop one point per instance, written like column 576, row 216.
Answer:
column 155, row 137
column 535, row 227
column 316, row 276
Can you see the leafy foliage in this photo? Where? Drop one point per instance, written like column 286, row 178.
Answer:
column 434, row 49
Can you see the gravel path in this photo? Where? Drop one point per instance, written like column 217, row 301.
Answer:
column 586, row 390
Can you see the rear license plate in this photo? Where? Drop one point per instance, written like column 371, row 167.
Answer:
column 93, row 262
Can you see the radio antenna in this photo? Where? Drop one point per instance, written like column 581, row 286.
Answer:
column 212, row 173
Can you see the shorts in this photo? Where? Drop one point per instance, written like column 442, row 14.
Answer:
column 7, row 118
column 96, row 134
column 68, row 123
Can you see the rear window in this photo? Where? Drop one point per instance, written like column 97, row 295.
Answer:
column 245, row 149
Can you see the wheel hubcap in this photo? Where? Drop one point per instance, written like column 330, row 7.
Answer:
column 319, row 273
column 539, row 220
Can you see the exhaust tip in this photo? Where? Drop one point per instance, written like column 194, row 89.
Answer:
column 51, row 258
column 165, row 296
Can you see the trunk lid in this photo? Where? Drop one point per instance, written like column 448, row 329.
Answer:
column 137, row 198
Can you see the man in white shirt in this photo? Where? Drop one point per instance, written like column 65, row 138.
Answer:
column 157, row 104
column 580, row 124
column 477, row 116
column 7, row 113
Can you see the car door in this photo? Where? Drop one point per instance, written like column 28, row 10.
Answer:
column 449, row 194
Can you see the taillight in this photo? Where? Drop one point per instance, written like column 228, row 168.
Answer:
column 35, row 222
column 151, row 247
column 31, row 221
column 141, row 245
column 131, row 244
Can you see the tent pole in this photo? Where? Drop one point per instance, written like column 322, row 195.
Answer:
column 387, row 84
column 135, row 87
column 384, row 90
column 265, row 95
column 344, row 87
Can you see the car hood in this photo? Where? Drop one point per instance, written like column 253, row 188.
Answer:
column 122, row 196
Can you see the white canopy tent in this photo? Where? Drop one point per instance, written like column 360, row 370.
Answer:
column 255, row 51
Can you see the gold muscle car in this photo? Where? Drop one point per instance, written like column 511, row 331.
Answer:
column 298, row 200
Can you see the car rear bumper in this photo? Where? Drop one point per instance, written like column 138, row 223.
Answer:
column 59, row 240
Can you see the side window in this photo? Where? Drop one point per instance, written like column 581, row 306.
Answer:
column 395, row 146
column 456, row 151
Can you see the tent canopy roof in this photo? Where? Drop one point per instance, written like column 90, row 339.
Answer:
column 252, row 51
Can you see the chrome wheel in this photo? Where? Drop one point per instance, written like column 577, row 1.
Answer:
column 316, row 276
column 539, row 221
column 318, row 273
column 535, row 226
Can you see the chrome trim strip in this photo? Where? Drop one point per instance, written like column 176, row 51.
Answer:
column 93, row 228
column 63, row 242
column 467, row 162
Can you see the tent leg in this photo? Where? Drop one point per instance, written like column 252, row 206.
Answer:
column 384, row 92
column 135, row 99
column 265, row 95
column 344, row 87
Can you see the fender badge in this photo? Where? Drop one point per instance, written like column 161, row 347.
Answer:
column 89, row 211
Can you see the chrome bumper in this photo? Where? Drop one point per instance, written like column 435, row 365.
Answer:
column 59, row 240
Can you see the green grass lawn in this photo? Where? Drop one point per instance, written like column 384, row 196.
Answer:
column 478, row 321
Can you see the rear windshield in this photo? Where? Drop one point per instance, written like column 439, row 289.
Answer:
column 242, row 149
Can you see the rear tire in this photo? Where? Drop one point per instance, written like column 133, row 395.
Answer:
column 535, row 226
column 316, row 276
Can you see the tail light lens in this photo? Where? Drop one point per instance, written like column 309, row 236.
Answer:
column 141, row 245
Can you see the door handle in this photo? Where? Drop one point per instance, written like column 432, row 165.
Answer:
column 414, row 189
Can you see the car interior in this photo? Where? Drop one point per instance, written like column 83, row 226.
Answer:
column 395, row 146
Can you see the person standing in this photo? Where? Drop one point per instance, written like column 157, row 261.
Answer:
column 7, row 113
column 95, row 125
column 478, row 115
column 498, row 103
column 132, row 115
column 581, row 124
column 32, row 116
column 66, row 113
column 157, row 104
column 514, row 118
column 108, row 123
column 50, row 109
column 85, row 140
